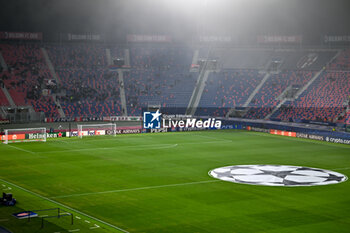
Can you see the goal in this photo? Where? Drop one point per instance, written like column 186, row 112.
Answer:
column 97, row 129
column 24, row 135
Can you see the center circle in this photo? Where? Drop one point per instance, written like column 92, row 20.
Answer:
column 277, row 175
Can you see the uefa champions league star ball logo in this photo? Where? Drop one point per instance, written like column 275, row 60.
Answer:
column 277, row 175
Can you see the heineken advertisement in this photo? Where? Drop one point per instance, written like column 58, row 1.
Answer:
column 34, row 136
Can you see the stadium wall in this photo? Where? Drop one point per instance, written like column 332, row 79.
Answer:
column 292, row 131
column 275, row 129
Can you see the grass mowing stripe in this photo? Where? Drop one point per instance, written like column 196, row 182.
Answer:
column 67, row 207
column 135, row 189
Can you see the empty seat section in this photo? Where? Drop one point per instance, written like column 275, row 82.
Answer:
column 324, row 100
column 267, row 97
column 227, row 89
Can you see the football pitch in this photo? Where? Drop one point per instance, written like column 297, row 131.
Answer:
column 160, row 183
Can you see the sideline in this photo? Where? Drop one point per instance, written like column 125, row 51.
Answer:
column 67, row 207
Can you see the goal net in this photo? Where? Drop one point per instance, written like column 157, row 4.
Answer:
column 24, row 135
column 97, row 129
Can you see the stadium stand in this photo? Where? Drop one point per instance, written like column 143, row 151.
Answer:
column 302, row 60
column 290, row 59
column 169, row 89
column 159, row 75
column 3, row 99
column 117, row 52
column 77, row 55
column 45, row 104
column 347, row 117
column 27, row 76
column 161, row 58
column 266, row 99
column 89, row 92
column 90, row 89
column 227, row 89
column 324, row 100
column 342, row 62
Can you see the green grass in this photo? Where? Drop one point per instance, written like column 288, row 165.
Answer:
column 160, row 183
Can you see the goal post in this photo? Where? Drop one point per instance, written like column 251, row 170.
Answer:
column 97, row 129
column 24, row 135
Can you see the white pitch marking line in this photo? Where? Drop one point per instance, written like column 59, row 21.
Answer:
column 87, row 221
column 77, row 217
column 196, row 143
column 3, row 185
column 137, row 147
column 78, row 140
column 28, row 151
column 97, row 225
column 342, row 168
column 135, row 189
column 74, row 230
column 93, row 228
column 58, row 140
column 217, row 139
column 65, row 206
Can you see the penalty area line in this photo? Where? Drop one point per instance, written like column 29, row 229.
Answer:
column 15, row 147
column 67, row 207
column 136, row 189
